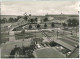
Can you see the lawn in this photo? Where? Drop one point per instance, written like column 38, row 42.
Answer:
column 4, row 34
column 4, row 37
column 4, row 40
column 34, row 34
column 3, row 29
column 28, row 35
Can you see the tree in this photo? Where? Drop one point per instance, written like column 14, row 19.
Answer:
column 32, row 47
column 18, row 17
column 30, row 26
column 11, row 20
column 52, row 43
column 45, row 25
column 25, row 17
column 38, row 26
column 15, row 19
column 69, row 20
column 45, row 19
column 64, row 25
column 36, row 19
column 52, row 25
column 23, row 31
column 31, row 20
column 69, row 24
column 73, row 22
column 4, row 20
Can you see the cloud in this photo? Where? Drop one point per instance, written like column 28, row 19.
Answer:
column 75, row 6
column 39, row 7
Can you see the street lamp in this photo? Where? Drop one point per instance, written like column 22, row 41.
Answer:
column 23, row 31
column 22, row 47
column 76, row 31
column 35, row 31
column 71, row 30
column 57, row 33
column 23, row 43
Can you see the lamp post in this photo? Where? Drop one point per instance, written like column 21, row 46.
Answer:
column 35, row 32
column 76, row 28
column 57, row 33
column 71, row 30
column 23, row 40
column 22, row 48
column 76, row 31
column 66, row 55
column 23, row 43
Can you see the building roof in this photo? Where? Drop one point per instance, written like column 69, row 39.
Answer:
column 65, row 45
column 75, row 53
column 49, row 52
column 70, row 15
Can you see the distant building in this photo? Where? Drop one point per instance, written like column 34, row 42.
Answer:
column 39, row 18
column 61, row 18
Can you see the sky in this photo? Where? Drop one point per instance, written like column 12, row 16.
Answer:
column 39, row 7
